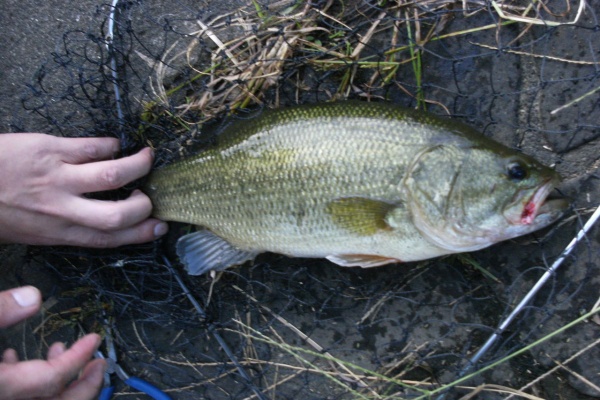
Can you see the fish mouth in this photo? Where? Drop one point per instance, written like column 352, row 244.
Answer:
column 540, row 209
column 551, row 209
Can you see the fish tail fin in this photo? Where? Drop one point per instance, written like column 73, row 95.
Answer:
column 203, row 251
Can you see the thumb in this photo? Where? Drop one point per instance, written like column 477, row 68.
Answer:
column 18, row 304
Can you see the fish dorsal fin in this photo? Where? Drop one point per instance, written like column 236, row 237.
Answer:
column 360, row 260
column 360, row 215
column 203, row 251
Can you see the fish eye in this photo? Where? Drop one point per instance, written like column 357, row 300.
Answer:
column 516, row 171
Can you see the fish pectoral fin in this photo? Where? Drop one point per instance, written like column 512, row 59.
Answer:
column 360, row 260
column 360, row 215
column 203, row 251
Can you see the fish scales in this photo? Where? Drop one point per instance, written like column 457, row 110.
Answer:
column 274, row 188
column 329, row 180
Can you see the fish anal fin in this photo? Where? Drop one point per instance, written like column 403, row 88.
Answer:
column 203, row 251
column 361, row 260
column 360, row 215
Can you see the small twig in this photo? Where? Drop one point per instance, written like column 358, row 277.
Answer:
column 218, row 42
column 537, row 21
column 547, row 57
column 556, row 368
column 305, row 338
column 367, row 37
column 578, row 376
column 577, row 100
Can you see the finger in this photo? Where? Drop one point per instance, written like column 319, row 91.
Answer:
column 89, row 383
column 56, row 350
column 108, row 175
column 38, row 378
column 85, row 150
column 10, row 356
column 146, row 231
column 18, row 304
column 109, row 215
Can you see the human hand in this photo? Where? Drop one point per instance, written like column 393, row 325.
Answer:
column 42, row 185
column 51, row 378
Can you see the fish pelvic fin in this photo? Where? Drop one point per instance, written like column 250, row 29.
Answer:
column 360, row 260
column 361, row 215
column 203, row 251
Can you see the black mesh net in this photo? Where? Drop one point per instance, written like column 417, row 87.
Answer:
column 523, row 72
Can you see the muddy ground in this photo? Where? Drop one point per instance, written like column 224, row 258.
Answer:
column 416, row 322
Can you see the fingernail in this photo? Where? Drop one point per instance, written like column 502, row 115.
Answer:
column 56, row 350
column 26, row 296
column 96, row 372
column 97, row 340
column 160, row 229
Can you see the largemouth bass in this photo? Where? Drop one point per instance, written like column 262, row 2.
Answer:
column 361, row 184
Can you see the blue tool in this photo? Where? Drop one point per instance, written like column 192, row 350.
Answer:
column 115, row 368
